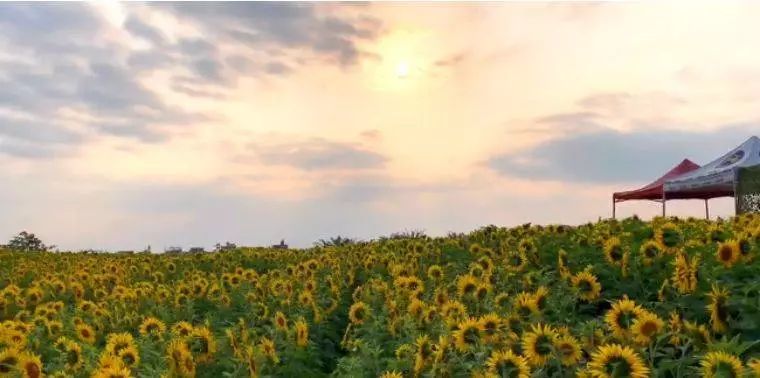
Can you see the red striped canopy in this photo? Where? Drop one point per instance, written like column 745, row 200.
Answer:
column 653, row 191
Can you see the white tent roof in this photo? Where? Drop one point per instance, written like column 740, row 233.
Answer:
column 717, row 178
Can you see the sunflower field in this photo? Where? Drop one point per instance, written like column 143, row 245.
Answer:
column 667, row 298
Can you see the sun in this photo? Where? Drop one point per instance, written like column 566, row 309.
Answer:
column 402, row 69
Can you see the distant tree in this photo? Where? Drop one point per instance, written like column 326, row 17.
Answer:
column 227, row 246
column 409, row 234
column 173, row 250
column 27, row 242
column 337, row 241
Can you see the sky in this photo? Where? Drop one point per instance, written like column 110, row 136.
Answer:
column 124, row 125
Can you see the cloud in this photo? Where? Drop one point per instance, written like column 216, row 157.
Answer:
column 288, row 25
column 50, row 30
column 451, row 60
column 320, row 154
column 143, row 30
column 609, row 156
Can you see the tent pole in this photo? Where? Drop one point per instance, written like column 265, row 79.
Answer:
column 663, row 203
column 613, row 207
column 707, row 210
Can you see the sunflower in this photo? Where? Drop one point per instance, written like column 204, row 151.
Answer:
column 109, row 361
column 504, row 363
column 202, row 344
column 391, row 374
column 280, row 321
column 153, row 327
column 650, row 251
column 721, row 364
column 569, row 350
column 435, row 273
column 30, row 365
column 698, row 333
column 54, row 327
column 466, row 285
column 130, row 356
column 516, row 261
column 645, row 327
column 180, row 359
column 467, row 335
column 685, row 272
column 454, row 311
column 525, row 304
column 490, row 325
column 182, row 329
column 621, row 316
column 501, row 300
column 675, row 327
column 358, row 313
column 718, row 309
column 587, row 285
column 540, row 296
column 669, row 236
column 415, row 308
column 614, row 360
column 424, row 351
column 113, row 372
column 14, row 337
column 9, row 359
column 86, row 333
column 250, row 359
column 73, row 355
column 268, row 348
column 754, row 367
column 302, row 333
column 118, row 341
column 537, row 344
column 482, row 291
column 614, row 252
column 728, row 253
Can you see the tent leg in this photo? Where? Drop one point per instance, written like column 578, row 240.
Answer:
column 613, row 207
column 663, row 203
column 707, row 210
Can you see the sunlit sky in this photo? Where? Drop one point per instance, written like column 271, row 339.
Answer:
column 124, row 125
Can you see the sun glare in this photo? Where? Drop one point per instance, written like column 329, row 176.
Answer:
column 402, row 69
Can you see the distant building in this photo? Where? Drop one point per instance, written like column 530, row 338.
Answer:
column 282, row 245
column 196, row 250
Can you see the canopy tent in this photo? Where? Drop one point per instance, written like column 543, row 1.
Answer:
column 653, row 191
column 716, row 179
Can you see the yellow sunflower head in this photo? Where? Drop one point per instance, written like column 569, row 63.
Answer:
column 718, row 309
column 30, row 365
column 621, row 316
column 467, row 335
column 358, row 313
column 728, row 253
column 505, row 363
column 721, row 364
column 9, row 359
column 568, row 350
column 614, row 252
column 587, row 286
column 538, row 344
column 646, row 327
column 302, row 333
column 118, row 341
column 130, row 356
column 85, row 333
column 152, row 327
column 614, row 360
